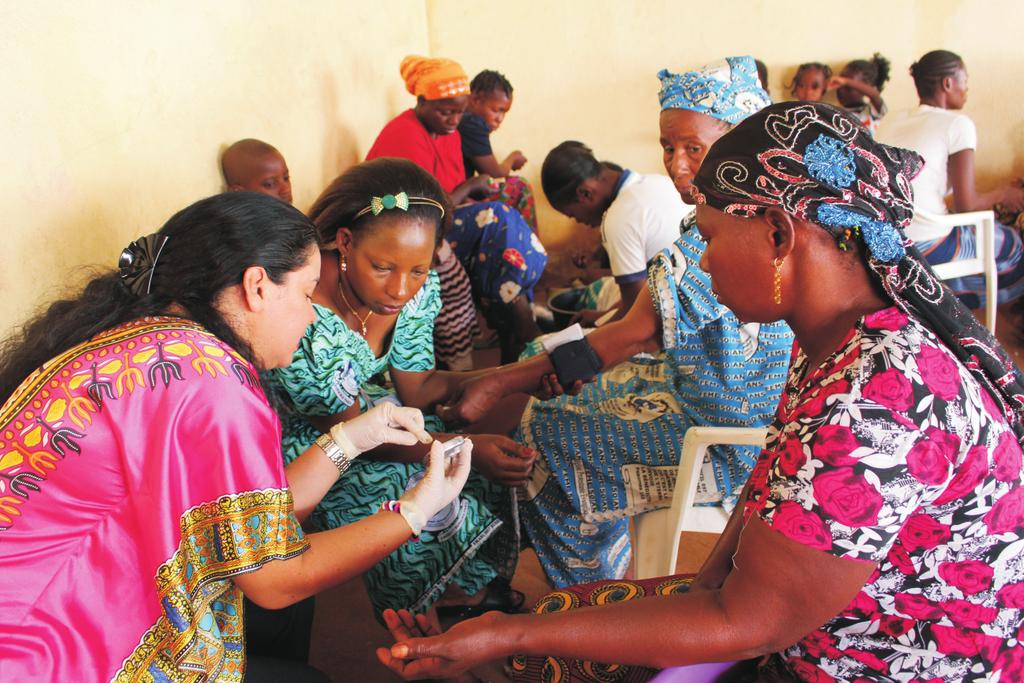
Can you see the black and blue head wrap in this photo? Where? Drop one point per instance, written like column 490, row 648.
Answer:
column 818, row 164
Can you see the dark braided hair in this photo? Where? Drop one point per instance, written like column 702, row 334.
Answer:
column 875, row 71
column 566, row 167
column 488, row 81
column 825, row 69
column 209, row 246
column 929, row 71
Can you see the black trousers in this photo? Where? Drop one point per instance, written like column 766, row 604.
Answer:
column 277, row 644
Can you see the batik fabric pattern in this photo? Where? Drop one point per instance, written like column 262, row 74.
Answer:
column 503, row 256
column 333, row 369
column 138, row 475
column 728, row 89
column 516, row 193
column 612, row 451
column 551, row 669
column 890, row 452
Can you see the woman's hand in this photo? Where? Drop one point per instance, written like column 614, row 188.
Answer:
column 516, row 160
column 384, row 423
column 443, row 481
column 587, row 317
column 550, row 387
column 479, row 186
column 421, row 652
column 471, row 400
column 1013, row 197
column 503, row 460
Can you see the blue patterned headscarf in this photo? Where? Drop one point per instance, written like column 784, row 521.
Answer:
column 728, row 90
column 817, row 163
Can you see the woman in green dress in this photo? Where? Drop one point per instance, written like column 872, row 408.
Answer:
column 378, row 225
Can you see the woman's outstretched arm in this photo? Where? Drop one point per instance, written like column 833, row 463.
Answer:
column 778, row 592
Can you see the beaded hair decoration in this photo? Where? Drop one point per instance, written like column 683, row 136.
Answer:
column 397, row 201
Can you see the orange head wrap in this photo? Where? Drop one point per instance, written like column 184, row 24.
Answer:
column 434, row 79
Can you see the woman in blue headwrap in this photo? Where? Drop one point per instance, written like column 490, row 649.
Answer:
column 628, row 425
column 881, row 529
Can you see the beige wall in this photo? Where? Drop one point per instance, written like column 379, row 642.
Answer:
column 585, row 69
column 113, row 113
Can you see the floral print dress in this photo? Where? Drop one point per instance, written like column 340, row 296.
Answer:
column 891, row 453
column 501, row 253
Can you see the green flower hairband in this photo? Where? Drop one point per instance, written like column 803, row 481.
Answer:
column 397, row 201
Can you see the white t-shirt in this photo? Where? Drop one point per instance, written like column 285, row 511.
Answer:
column 935, row 134
column 643, row 220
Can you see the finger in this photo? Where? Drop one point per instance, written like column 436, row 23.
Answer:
column 419, row 648
column 411, row 420
column 396, row 665
column 450, row 413
column 410, row 624
column 426, row 627
column 549, row 390
column 461, row 463
column 429, row 667
column 435, row 461
column 556, row 386
column 394, row 623
column 516, row 450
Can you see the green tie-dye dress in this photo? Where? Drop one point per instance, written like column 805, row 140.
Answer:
column 334, row 367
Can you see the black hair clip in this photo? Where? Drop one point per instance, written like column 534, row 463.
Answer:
column 138, row 261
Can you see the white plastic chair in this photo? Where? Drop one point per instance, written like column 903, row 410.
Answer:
column 984, row 263
column 656, row 545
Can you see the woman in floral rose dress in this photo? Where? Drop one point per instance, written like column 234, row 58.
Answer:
column 880, row 534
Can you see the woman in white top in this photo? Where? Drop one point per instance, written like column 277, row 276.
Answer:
column 947, row 138
column 639, row 214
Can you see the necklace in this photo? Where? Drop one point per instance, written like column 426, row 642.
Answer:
column 362, row 321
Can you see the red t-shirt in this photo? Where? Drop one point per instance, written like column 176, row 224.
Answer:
column 405, row 136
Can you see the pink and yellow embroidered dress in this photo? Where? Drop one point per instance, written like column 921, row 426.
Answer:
column 139, row 472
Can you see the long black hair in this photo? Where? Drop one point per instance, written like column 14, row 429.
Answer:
column 929, row 71
column 351, row 192
column 209, row 246
column 566, row 167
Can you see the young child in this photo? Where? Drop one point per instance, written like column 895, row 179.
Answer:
column 810, row 82
column 254, row 165
column 489, row 101
column 858, row 89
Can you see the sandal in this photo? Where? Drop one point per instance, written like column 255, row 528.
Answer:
column 500, row 596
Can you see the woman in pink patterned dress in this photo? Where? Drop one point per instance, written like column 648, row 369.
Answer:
column 879, row 536
column 141, row 484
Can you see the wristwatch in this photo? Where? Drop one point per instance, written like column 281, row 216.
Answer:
column 333, row 451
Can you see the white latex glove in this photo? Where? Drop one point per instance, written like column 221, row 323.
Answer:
column 443, row 480
column 384, row 423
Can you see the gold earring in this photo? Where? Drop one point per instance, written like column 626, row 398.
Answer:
column 344, row 263
column 777, row 281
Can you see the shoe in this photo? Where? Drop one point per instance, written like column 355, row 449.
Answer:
column 500, row 596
